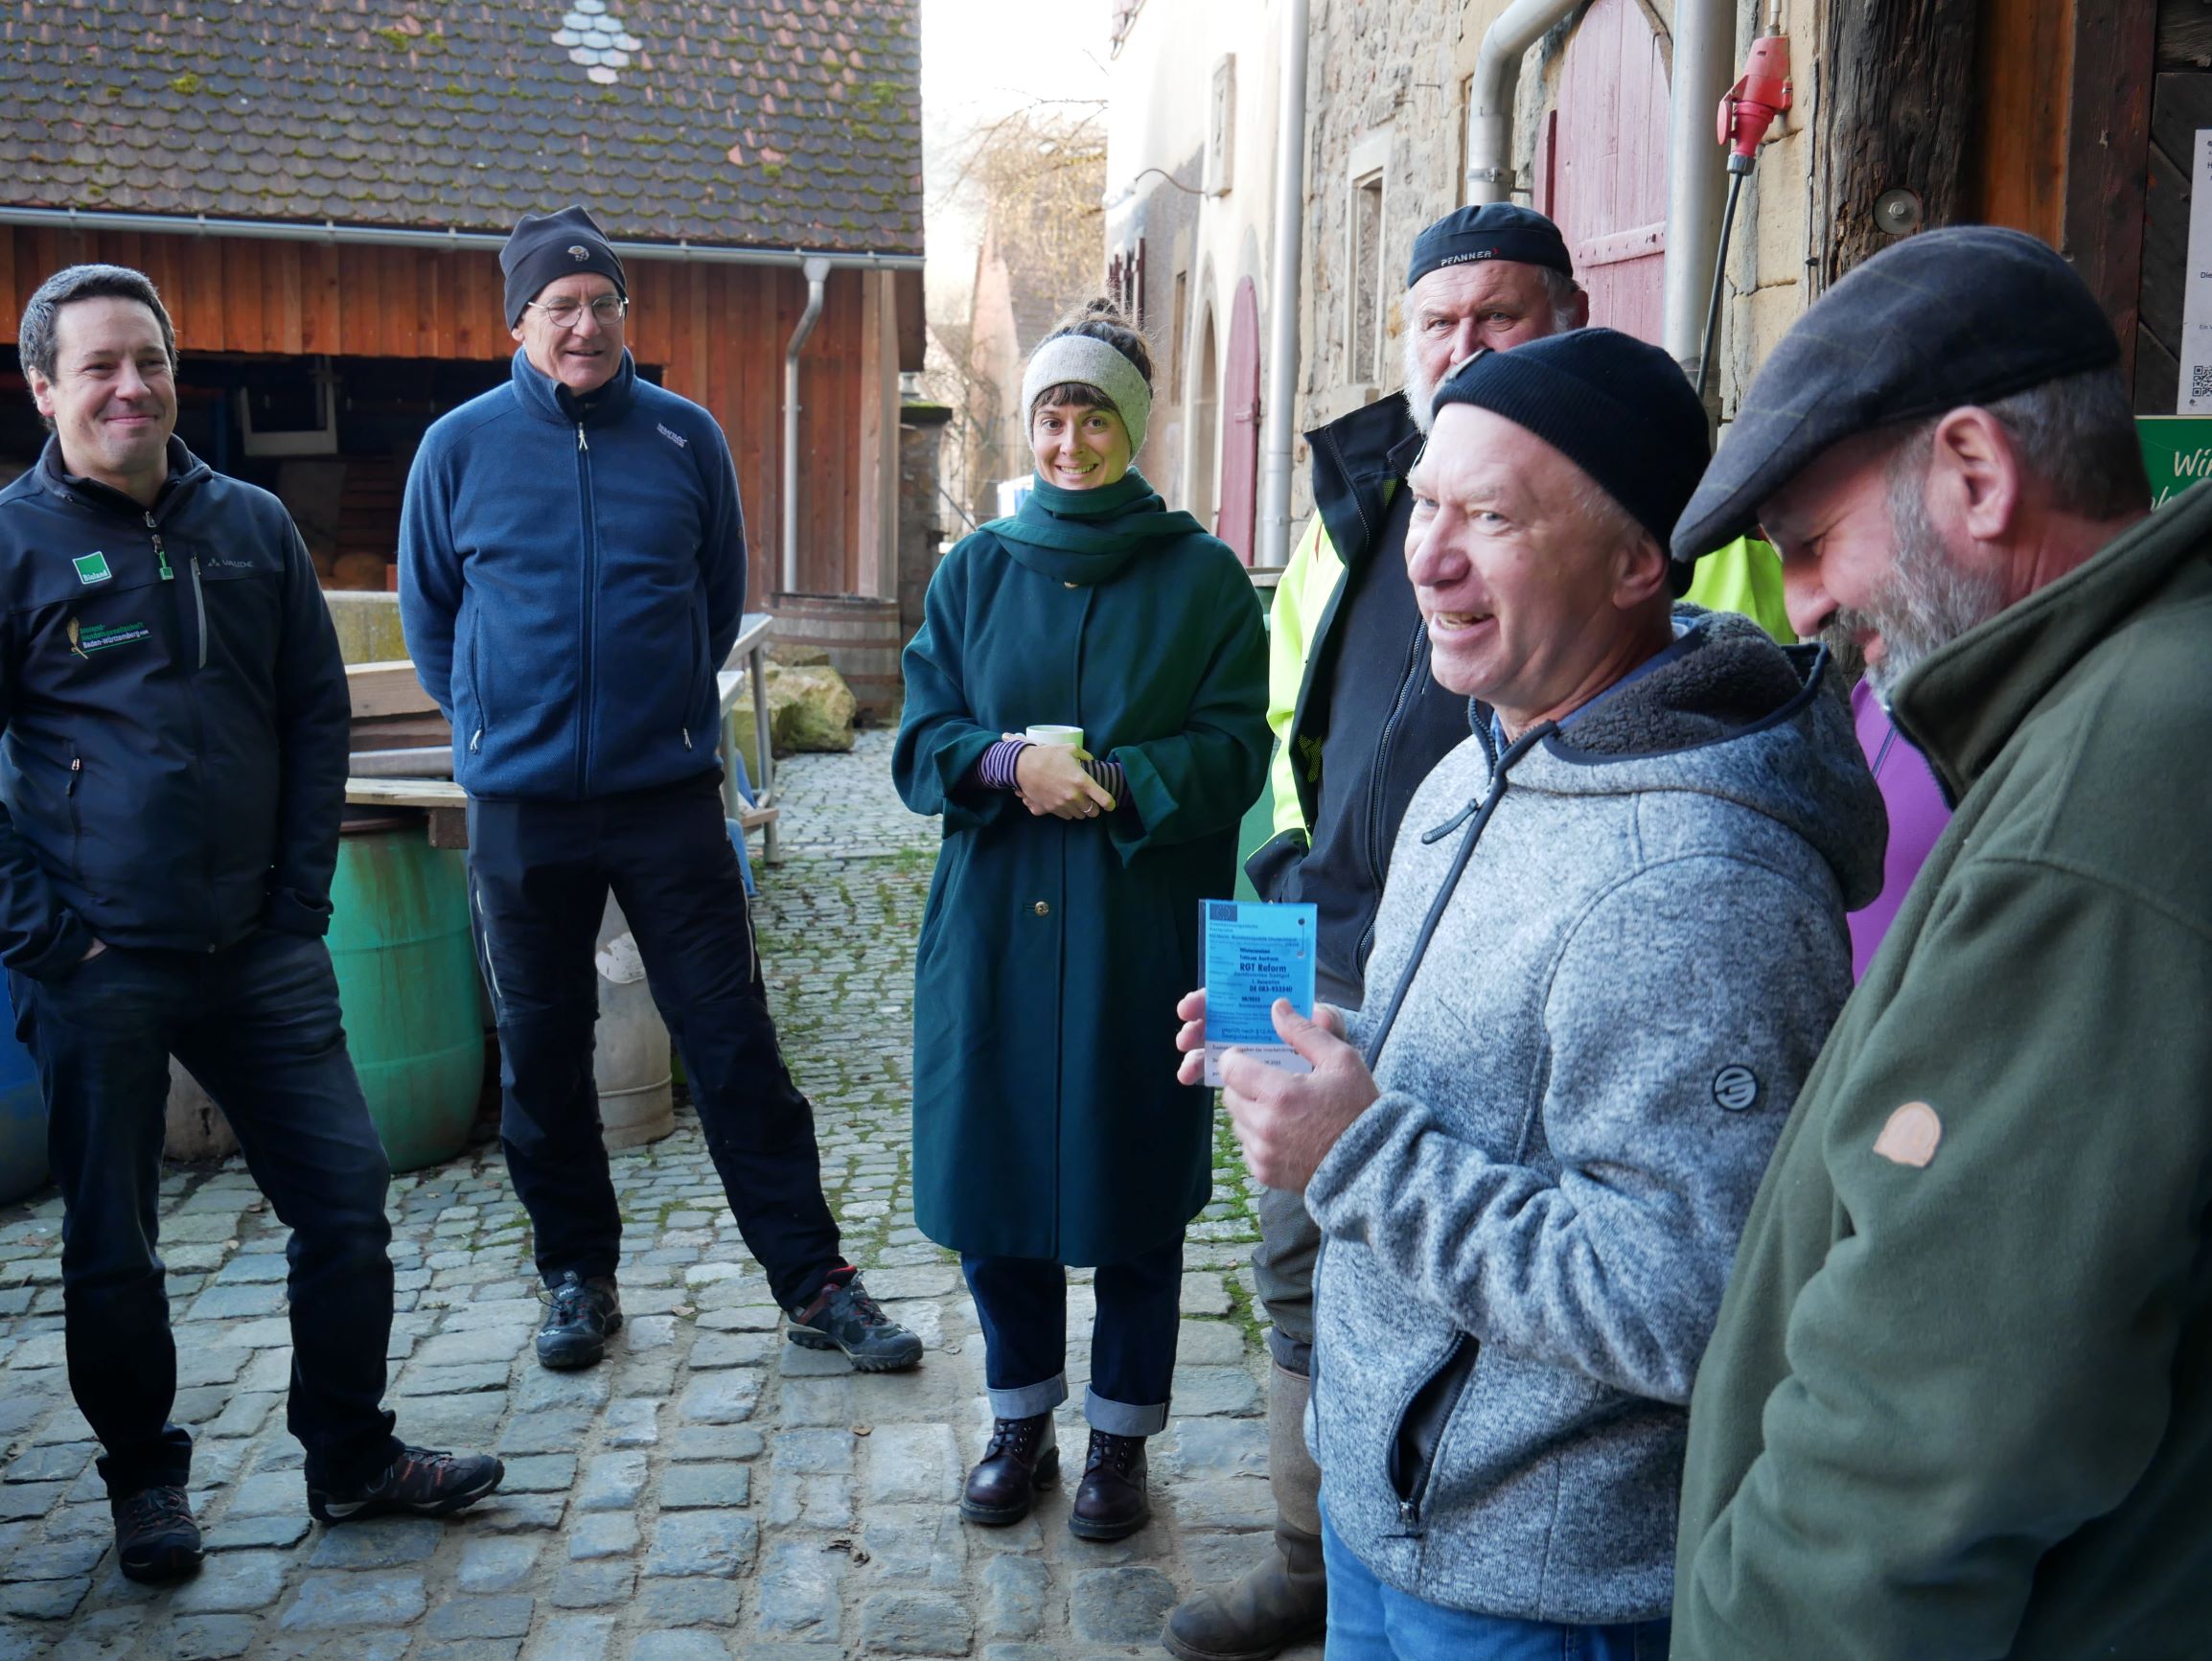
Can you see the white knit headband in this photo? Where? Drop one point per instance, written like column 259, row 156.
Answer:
column 1087, row 362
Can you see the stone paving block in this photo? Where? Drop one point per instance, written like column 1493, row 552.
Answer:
column 814, row 1401
column 574, row 1638
column 58, row 1559
column 462, row 1422
column 420, row 1380
column 815, row 1452
column 795, row 1361
column 208, row 1637
column 472, row 1347
column 325, row 1602
column 677, row 1647
column 812, row 1502
column 1205, row 1294
column 1014, row 1592
column 379, row 1543
column 688, row 1602
column 553, row 1430
column 913, row 1464
column 723, row 1397
column 693, row 1487
column 542, row 1388
column 720, row 1543
column 243, row 1534
column 1242, row 1502
column 1125, row 1606
column 645, row 1332
column 540, row 1473
column 268, row 1335
column 916, row 1543
column 592, row 1585
column 1021, row 1652
column 67, row 1424
column 607, row 1535
column 713, row 1350
column 465, row 1650
column 916, row 1624
column 1214, row 1447
column 1232, row 1392
column 233, row 1582
column 58, row 1461
column 1218, row 1559
column 268, row 1368
column 236, row 1303
column 43, row 1600
column 800, row 1590
column 702, row 1441
column 198, row 1363
column 1209, row 1343
column 516, row 1315
column 612, row 1483
column 253, row 1268
column 497, row 1564
column 738, row 1317
column 266, row 1493
column 91, row 1519
column 242, row 1416
column 632, row 1423
column 497, row 1617
column 30, row 1499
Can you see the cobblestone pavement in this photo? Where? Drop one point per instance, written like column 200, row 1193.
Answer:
column 709, row 1490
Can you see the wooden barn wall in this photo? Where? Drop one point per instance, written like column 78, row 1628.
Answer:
column 717, row 331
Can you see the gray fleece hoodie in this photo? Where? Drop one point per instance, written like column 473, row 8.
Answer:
column 1528, row 1234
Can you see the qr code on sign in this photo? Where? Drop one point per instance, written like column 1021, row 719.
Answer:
column 2199, row 380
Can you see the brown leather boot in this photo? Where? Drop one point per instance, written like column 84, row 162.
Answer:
column 1023, row 1455
column 1110, row 1504
column 1285, row 1600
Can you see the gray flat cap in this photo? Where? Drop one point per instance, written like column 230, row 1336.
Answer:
column 1967, row 314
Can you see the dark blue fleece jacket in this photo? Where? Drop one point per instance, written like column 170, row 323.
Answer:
column 570, row 579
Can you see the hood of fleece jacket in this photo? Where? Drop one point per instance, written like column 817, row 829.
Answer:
column 1734, row 716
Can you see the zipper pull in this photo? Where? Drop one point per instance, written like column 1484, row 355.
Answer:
column 159, row 552
column 580, row 442
column 475, row 740
column 1408, row 1512
column 687, row 738
column 76, row 767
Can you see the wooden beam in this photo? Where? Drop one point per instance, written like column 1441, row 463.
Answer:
column 388, row 688
column 2108, row 154
column 1896, row 117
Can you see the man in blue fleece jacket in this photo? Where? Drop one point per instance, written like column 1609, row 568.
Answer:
column 571, row 576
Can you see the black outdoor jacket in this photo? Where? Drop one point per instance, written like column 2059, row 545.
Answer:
column 173, row 761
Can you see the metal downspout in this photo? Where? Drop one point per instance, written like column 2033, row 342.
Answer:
column 816, row 270
column 1497, row 83
column 1696, row 178
column 1279, row 401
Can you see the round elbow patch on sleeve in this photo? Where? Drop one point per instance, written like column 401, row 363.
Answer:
column 1735, row 1089
column 1911, row 1135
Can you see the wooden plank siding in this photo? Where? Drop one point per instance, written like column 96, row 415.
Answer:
column 716, row 332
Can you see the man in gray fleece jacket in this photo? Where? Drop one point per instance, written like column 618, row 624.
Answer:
column 1610, row 948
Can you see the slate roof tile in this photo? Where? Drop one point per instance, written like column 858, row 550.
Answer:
column 768, row 123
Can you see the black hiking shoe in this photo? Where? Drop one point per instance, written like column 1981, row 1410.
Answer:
column 842, row 1316
column 155, row 1538
column 580, row 1316
column 420, row 1482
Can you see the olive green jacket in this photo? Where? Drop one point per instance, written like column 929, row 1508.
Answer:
column 1959, row 1402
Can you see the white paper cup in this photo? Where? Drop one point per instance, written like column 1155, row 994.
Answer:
column 1070, row 736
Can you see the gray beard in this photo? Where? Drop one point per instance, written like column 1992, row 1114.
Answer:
column 1420, row 395
column 1925, row 604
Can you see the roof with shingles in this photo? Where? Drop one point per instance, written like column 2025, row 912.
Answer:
column 764, row 122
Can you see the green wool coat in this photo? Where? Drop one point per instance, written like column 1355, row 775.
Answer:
column 1046, row 1119
column 1959, row 1402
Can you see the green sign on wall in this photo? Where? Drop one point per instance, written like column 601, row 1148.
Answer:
column 2177, row 451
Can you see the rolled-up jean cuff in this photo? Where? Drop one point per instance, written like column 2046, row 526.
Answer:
column 1291, row 1354
column 1030, row 1400
column 1119, row 1419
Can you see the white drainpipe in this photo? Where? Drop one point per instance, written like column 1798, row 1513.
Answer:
column 1279, row 401
column 1697, row 175
column 816, row 270
column 1497, row 79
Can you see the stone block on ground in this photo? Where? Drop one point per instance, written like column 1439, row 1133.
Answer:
column 916, row 1624
column 1125, row 1606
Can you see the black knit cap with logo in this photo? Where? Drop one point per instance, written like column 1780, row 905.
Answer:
column 1617, row 408
column 546, row 248
column 1489, row 231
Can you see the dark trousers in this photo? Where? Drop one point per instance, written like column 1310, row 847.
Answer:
column 1022, row 1305
column 258, row 1025
column 539, row 872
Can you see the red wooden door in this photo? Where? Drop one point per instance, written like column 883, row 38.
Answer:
column 1602, row 168
column 1241, row 424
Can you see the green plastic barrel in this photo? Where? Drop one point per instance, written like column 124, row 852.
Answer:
column 407, row 986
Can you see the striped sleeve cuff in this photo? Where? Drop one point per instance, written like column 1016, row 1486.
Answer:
column 996, row 769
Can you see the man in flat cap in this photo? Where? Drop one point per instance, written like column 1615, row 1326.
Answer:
column 1611, row 944
column 1959, row 1402
column 571, row 576
column 1359, row 720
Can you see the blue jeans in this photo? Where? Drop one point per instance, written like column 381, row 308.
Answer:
column 1368, row 1621
column 1022, row 1305
column 256, row 1024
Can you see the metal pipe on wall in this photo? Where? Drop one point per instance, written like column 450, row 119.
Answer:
column 1279, row 401
column 816, row 271
column 1696, row 176
column 1496, row 85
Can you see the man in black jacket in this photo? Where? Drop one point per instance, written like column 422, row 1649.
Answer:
column 171, row 773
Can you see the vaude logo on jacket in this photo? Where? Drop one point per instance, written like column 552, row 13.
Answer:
column 676, row 438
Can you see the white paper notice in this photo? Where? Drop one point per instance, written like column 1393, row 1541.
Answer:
column 2195, row 383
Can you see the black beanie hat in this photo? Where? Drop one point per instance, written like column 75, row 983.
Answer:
column 544, row 247
column 1491, row 231
column 1617, row 408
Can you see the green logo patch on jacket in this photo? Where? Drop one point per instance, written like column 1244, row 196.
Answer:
column 100, row 637
column 92, row 567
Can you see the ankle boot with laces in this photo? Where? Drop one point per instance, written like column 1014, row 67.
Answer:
column 1023, row 1455
column 1110, row 1504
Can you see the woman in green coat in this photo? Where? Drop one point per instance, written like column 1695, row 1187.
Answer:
column 1062, row 924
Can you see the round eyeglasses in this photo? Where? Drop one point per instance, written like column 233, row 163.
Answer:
column 606, row 310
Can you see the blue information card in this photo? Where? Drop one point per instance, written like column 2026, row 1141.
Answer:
column 1254, row 952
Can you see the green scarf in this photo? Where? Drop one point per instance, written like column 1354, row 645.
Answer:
column 1085, row 536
